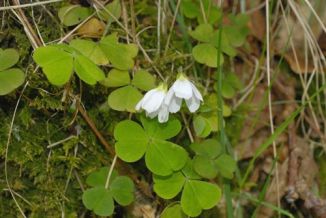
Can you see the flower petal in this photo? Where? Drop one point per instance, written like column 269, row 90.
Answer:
column 175, row 104
column 193, row 104
column 182, row 88
column 139, row 105
column 169, row 96
column 163, row 115
column 196, row 92
column 154, row 101
column 152, row 114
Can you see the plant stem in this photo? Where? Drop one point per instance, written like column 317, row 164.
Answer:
column 222, row 135
column 110, row 172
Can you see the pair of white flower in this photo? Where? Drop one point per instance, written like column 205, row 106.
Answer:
column 160, row 102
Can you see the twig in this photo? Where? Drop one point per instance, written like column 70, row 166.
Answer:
column 171, row 28
column 96, row 132
column 61, row 141
column 122, row 168
column 270, row 101
column 33, row 37
column 7, row 149
column 18, row 6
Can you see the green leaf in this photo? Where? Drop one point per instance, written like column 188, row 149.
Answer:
column 210, row 148
column 226, row 111
column 189, row 172
column 206, row 53
column 114, row 8
column 100, row 200
column 173, row 211
column 98, row 178
column 202, row 126
column 10, row 79
column 116, row 78
column 168, row 187
column 131, row 141
column 119, row 54
column 87, row 70
column 198, row 195
column 56, row 63
column 228, row 91
column 8, row 58
column 233, row 80
column 161, row 130
column 124, row 99
column 202, row 33
column 205, row 167
column 163, row 157
column 226, row 165
column 212, row 12
column 237, row 32
column 122, row 189
column 225, row 45
column 73, row 14
column 190, row 9
column 143, row 80
column 91, row 50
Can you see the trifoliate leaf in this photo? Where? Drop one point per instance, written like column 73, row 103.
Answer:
column 189, row 9
column 202, row 126
column 168, row 187
column 10, row 79
column 119, row 54
column 210, row 148
column 8, row 58
column 173, row 210
column 202, row 33
column 206, row 53
column 233, row 79
column 99, row 200
column 198, row 195
column 114, row 9
column 73, row 14
column 98, row 178
column 87, row 70
column 116, row 78
column 226, row 111
column 122, row 189
column 189, row 172
column 131, row 142
column 124, row 99
column 228, row 91
column 163, row 157
column 143, row 80
column 56, row 63
column 161, row 130
column 212, row 13
column 226, row 165
column 204, row 167
column 91, row 50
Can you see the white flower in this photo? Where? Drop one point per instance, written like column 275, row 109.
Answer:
column 153, row 104
column 182, row 88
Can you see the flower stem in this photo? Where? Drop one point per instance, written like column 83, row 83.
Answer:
column 110, row 172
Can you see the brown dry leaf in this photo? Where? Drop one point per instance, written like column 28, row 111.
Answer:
column 303, row 176
column 295, row 50
column 271, row 196
column 257, row 23
column 93, row 28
